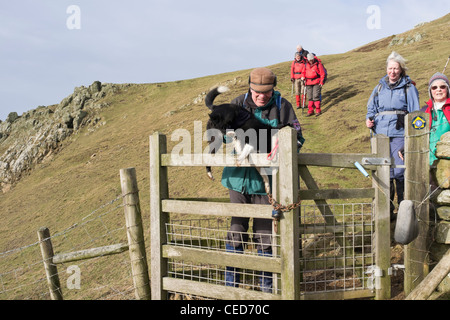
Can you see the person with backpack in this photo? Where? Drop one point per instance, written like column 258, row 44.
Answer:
column 393, row 97
column 245, row 183
column 314, row 76
column 297, row 68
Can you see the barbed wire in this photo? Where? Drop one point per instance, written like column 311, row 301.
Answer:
column 22, row 274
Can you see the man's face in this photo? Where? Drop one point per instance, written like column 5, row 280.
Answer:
column 261, row 98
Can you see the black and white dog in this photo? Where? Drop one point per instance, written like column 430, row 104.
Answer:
column 227, row 119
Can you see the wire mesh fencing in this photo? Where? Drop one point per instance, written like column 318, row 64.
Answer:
column 211, row 234
column 336, row 247
column 336, row 250
column 22, row 274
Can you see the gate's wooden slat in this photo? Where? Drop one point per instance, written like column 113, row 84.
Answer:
column 215, row 291
column 289, row 222
column 337, row 194
column 159, row 190
column 218, row 209
column 222, row 258
column 338, row 160
column 333, row 262
column 338, row 295
column 337, row 228
column 218, row 160
column 380, row 180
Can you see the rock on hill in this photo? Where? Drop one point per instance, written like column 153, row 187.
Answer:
column 33, row 137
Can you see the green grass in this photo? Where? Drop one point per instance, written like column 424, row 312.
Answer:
column 84, row 175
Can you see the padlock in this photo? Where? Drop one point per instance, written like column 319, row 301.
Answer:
column 276, row 214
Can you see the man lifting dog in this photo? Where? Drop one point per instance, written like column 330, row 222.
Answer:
column 245, row 184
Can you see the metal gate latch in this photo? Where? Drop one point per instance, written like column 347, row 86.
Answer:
column 374, row 281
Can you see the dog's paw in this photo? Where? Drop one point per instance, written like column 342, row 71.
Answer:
column 245, row 153
column 231, row 134
column 240, row 159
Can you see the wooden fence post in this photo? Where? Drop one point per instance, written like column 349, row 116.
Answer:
column 158, row 219
column 135, row 233
column 424, row 289
column 289, row 222
column 51, row 271
column 381, row 182
column 417, row 181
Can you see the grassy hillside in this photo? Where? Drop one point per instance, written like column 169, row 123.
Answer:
column 85, row 174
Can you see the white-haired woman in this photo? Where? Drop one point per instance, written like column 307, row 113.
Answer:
column 392, row 98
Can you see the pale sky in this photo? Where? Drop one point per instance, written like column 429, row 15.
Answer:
column 49, row 47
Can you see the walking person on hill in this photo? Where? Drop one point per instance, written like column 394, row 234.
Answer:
column 297, row 68
column 303, row 52
column 245, row 184
column 314, row 76
column 393, row 97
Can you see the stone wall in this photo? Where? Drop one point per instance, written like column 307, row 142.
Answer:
column 441, row 201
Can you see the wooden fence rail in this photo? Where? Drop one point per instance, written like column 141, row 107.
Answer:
column 135, row 245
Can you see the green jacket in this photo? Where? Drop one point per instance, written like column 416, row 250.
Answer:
column 278, row 113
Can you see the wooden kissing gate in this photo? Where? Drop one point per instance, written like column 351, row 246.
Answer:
column 289, row 262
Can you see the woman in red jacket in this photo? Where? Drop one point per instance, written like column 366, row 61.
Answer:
column 297, row 68
column 438, row 107
column 314, row 75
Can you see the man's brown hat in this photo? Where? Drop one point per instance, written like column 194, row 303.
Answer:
column 262, row 80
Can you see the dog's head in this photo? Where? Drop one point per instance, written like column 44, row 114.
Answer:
column 223, row 117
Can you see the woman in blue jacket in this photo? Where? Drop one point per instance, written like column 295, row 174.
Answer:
column 393, row 97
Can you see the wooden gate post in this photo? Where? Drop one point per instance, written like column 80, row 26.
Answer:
column 381, row 182
column 289, row 223
column 51, row 271
column 158, row 219
column 135, row 233
column 417, row 181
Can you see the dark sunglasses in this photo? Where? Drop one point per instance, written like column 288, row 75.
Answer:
column 440, row 87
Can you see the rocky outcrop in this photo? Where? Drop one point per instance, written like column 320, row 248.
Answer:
column 399, row 40
column 29, row 139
